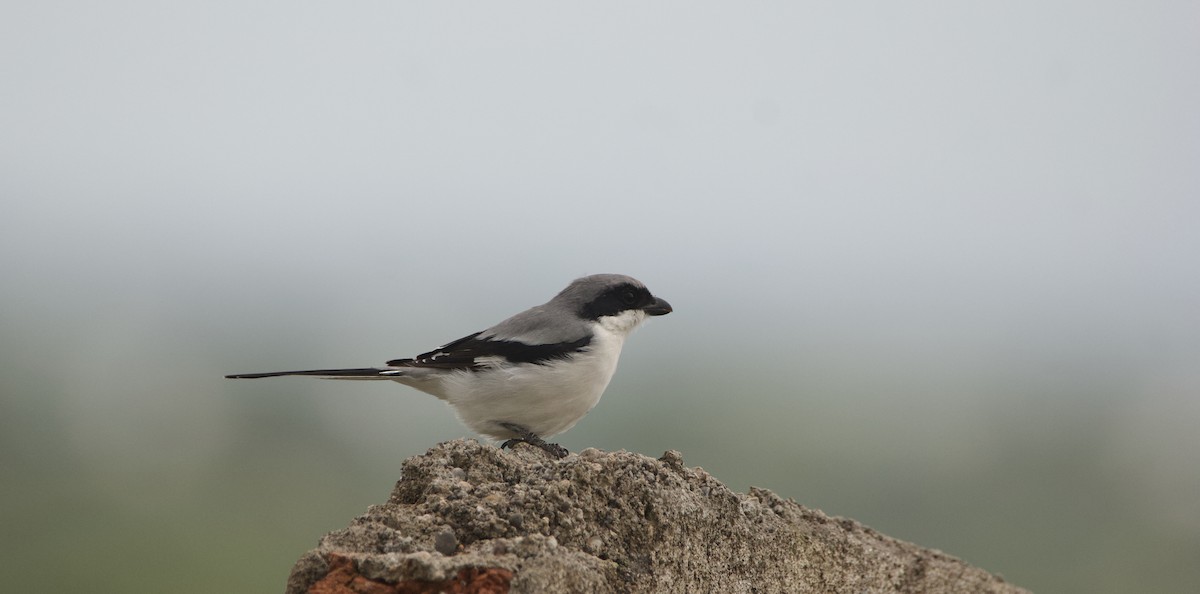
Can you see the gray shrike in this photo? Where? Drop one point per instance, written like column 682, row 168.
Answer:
column 533, row 375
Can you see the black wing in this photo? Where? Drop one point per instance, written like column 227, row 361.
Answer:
column 465, row 352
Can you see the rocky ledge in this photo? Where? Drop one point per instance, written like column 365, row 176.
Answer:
column 468, row 517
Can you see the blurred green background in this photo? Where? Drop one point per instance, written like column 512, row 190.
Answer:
column 934, row 266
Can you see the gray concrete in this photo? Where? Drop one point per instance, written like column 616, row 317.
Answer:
column 608, row 522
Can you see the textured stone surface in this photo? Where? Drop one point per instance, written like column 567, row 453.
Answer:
column 468, row 517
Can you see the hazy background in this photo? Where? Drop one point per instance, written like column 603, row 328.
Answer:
column 934, row 265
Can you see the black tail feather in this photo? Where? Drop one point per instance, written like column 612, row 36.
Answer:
column 362, row 372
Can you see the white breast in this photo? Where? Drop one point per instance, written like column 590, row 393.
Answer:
column 545, row 399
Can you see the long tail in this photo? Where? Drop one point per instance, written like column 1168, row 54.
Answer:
column 361, row 373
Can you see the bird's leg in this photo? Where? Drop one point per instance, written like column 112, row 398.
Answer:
column 532, row 439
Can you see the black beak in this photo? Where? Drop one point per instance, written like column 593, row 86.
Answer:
column 660, row 307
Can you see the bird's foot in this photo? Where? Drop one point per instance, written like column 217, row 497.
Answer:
column 531, row 438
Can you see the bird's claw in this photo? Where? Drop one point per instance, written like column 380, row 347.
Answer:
column 529, row 437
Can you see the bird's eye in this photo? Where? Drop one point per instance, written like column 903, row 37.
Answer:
column 628, row 297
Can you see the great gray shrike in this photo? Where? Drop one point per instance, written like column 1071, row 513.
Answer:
column 533, row 375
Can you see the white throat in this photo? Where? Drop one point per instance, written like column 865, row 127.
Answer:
column 623, row 323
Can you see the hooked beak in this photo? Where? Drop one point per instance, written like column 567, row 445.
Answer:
column 660, row 307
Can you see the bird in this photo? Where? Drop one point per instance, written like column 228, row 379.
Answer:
column 533, row 375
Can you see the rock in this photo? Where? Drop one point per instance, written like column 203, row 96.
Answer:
column 468, row 517
column 445, row 542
